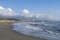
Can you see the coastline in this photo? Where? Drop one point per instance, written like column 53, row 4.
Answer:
column 7, row 34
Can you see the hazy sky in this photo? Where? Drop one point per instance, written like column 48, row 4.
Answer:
column 51, row 7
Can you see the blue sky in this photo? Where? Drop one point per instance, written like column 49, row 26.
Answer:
column 51, row 7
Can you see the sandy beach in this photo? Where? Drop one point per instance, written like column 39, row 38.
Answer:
column 7, row 34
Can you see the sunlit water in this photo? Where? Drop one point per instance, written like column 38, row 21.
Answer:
column 46, row 30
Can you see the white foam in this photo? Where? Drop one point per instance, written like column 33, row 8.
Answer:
column 30, row 30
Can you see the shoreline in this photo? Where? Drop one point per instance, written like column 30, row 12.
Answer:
column 6, row 33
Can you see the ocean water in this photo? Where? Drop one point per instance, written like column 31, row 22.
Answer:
column 46, row 30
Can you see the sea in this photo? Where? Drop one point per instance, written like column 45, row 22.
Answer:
column 48, row 30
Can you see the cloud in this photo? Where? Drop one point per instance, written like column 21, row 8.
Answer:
column 1, row 7
column 6, row 11
column 25, row 11
column 10, row 9
column 47, row 16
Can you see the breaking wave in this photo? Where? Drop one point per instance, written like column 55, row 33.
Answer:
column 46, row 30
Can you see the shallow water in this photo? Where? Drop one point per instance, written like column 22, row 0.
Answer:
column 46, row 30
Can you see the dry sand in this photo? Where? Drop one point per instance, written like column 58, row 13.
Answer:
column 7, row 34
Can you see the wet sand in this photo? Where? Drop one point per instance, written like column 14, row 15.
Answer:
column 7, row 34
